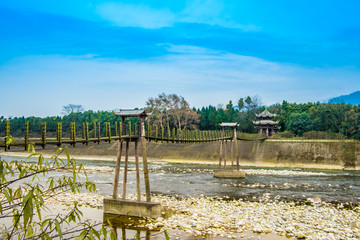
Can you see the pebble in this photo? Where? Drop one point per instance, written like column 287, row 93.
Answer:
column 214, row 216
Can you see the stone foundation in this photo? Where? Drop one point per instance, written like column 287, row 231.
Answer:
column 132, row 208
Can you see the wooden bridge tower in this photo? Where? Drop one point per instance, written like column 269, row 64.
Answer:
column 222, row 155
column 124, row 206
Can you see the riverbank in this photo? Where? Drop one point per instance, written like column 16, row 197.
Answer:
column 223, row 218
column 261, row 215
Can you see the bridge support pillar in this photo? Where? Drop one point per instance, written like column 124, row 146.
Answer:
column 222, row 155
column 123, row 206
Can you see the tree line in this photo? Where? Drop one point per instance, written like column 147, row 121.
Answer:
column 310, row 120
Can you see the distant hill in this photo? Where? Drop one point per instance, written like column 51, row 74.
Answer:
column 352, row 98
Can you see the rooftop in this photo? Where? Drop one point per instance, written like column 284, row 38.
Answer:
column 265, row 113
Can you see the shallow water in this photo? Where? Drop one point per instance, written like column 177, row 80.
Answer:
column 196, row 180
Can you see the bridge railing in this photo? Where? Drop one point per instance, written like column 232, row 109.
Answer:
column 86, row 133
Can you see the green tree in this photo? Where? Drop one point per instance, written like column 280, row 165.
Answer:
column 299, row 123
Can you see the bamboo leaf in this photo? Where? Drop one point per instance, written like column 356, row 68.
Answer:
column 167, row 237
column 28, row 209
column 7, row 195
column 96, row 233
column 82, row 235
column 58, row 228
column 67, row 156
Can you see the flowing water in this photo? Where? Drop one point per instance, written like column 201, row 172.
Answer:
column 190, row 180
column 185, row 180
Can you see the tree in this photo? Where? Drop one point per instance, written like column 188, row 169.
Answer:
column 299, row 123
column 72, row 108
column 241, row 103
column 22, row 198
column 172, row 110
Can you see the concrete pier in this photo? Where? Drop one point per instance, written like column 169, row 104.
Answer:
column 132, row 208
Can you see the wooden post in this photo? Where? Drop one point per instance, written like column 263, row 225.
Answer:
column 125, row 169
column 236, row 149
column 179, row 135
column 116, row 128
column 221, row 151
column 162, row 133
column 106, row 130
column 87, row 133
column 156, row 132
column 73, row 128
column 168, row 132
column 109, row 129
column 7, row 135
column 137, row 171
column 225, row 148
column 148, row 130
column 98, row 129
column 232, row 154
column 173, row 135
column 94, row 129
column 26, row 137
column 83, row 132
column 59, row 133
column 43, row 134
column 145, row 166
column 117, row 169
column 123, row 126
column 120, row 130
column 129, row 129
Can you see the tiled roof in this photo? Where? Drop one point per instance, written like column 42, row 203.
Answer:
column 266, row 113
column 265, row 122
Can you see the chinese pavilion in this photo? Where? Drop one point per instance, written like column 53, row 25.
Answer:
column 265, row 124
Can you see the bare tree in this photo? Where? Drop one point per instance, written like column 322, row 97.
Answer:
column 172, row 110
column 72, row 108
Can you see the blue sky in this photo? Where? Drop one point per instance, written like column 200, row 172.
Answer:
column 107, row 55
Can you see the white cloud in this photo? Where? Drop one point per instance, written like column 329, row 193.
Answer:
column 212, row 12
column 129, row 15
column 203, row 77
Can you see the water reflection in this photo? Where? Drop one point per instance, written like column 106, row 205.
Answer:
column 127, row 227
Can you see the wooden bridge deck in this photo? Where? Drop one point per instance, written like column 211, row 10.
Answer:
column 152, row 134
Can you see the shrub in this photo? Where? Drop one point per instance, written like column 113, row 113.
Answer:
column 22, row 198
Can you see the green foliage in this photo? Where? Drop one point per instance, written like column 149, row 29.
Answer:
column 298, row 123
column 23, row 195
column 322, row 135
column 173, row 111
column 285, row 134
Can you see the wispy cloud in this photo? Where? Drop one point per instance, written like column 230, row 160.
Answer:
column 203, row 77
column 130, row 15
column 140, row 15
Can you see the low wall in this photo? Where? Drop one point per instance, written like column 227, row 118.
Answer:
column 270, row 153
column 325, row 154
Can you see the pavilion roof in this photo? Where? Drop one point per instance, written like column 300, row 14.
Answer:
column 266, row 113
column 131, row 113
column 265, row 122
